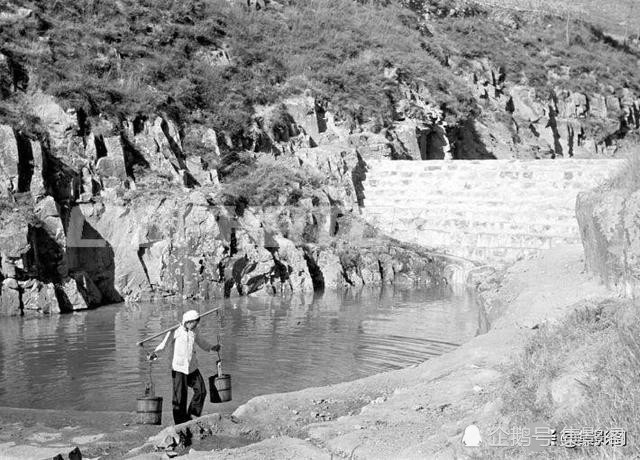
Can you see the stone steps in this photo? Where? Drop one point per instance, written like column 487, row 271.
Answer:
column 483, row 239
column 488, row 228
column 480, row 185
column 492, row 210
column 481, row 214
column 512, row 205
column 582, row 165
column 451, row 187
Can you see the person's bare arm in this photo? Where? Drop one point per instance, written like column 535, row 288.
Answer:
column 202, row 343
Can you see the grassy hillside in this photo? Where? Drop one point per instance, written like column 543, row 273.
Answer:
column 532, row 47
column 128, row 57
column 598, row 349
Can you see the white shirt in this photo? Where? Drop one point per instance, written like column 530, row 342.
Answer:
column 184, row 352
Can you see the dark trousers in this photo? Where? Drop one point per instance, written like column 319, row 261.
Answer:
column 180, row 383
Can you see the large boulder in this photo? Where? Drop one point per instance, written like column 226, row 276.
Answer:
column 609, row 222
column 71, row 296
column 329, row 264
column 9, row 160
column 168, row 141
column 113, row 165
column 61, row 124
column 527, row 107
column 10, row 302
column 201, row 172
column 304, row 112
column 372, row 146
column 87, row 288
column 49, row 238
column 370, row 269
column 151, row 143
column 407, row 139
column 39, row 297
column 294, row 258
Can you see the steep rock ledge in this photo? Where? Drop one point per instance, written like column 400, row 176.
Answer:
column 609, row 219
column 131, row 213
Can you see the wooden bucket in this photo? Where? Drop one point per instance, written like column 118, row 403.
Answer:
column 149, row 410
column 220, row 388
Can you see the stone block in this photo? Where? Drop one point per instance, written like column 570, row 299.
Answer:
column 8, row 160
column 115, row 153
column 10, row 302
column 303, row 111
column 89, row 291
column 73, row 297
column 40, row 297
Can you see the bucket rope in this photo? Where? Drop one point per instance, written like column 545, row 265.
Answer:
column 219, row 362
column 149, row 387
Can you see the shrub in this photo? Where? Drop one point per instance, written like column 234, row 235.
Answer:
column 264, row 181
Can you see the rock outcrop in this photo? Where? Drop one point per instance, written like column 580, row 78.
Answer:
column 519, row 122
column 125, row 212
column 609, row 220
column 101, row 208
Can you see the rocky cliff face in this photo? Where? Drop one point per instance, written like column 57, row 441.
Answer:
column 100, row 211
column 97, row 214
column 104, row 207
column 609, row 221
column 517, row 121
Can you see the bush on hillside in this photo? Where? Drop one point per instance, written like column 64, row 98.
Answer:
column 271, row 182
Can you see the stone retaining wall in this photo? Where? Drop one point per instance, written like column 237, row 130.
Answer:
column 489, row 211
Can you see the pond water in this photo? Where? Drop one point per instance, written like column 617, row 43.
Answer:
column 89, row 360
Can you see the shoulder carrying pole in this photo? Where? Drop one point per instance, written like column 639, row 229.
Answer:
column 173, row 327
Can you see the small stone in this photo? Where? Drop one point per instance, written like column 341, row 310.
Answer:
column 358, row 427
column 296, row 412
column 75, row 454
column 11, row 283
column 419, row 407
column 477, row 388
column 471, row 436
column 168, row 443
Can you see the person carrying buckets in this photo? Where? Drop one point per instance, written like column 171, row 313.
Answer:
column 184, row 366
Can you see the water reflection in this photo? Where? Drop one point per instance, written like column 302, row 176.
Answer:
column 89, row 360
